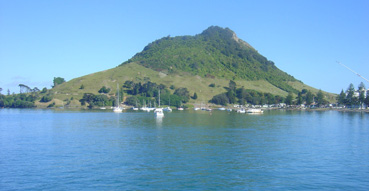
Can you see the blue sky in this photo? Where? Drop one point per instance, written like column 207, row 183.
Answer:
column 40, row 40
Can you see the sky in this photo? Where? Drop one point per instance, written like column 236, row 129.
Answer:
column 43, row 39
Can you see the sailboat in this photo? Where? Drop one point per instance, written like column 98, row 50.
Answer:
column 135, row 108
column 159, row 111
column 103, row 107
column 144, row 108
column 117, row 108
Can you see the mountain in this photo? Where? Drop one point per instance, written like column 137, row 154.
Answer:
column 216, row 52
column 213, row 57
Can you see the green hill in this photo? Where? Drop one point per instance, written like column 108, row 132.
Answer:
column 216, row 52
column 215, row 57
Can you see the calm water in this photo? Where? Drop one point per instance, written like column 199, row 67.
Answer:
column 189, row 150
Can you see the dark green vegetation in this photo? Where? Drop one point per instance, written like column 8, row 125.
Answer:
column 215, row 53
column 25, row 99
column 149, row 93
column 350, row 100
column 244, row 96
column 28, row 97
column 97, row 100
column 18, row 101
column 104, row 90
column 58, row 81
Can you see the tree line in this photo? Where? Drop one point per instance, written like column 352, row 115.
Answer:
column 27, row 96
column 354, row 98
column 244, row 96
column 142, row 93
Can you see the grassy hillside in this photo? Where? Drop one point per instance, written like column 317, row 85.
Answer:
column 132, row 71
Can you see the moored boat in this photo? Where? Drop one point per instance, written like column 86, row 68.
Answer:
column 254, row 111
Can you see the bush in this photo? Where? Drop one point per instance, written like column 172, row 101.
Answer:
column 104, row 90
column 220, row 99
column 46, row 98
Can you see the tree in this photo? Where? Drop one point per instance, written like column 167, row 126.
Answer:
column 35, row 89
column 194, row 96
column 350, row 100
column 24, row 88
column 232, row 85
column 309, row 98
column 220, row 99
column 44, row 90
column 289, row 99
column 362, row 98
column 132, row 100
column 341, row 98
column 82, row 87
column 366, row 101
column 104, row 90
column 58, row 81
column 231, row 96
column 299, row 99
column 1, row 89
column 184, row 93
column 320, row 98
column 362, row 87
column 46, row 98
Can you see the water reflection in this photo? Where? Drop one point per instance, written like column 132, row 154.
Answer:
column 159, row 121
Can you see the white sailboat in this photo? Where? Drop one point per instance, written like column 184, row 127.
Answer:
column 144, row 108
column 135, row 108
column 103, row 107
column 117, row 107
column 159, row 111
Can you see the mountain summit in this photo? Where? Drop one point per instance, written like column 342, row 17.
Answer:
column 216, row 52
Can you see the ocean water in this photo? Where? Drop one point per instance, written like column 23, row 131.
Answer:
column 185, row 150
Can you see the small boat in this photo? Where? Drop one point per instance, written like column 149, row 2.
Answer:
column 196, row 108
column 222, row 109
column 254, row 111
column 159, row 112
column 167, row 109
column 242, row 110
column 229, row 109
column 117, row 109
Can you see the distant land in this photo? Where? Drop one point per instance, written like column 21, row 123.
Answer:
column 214, row 56
column 204, row 64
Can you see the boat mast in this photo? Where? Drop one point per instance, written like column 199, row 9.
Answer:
column 117, row 95
column 159, row 98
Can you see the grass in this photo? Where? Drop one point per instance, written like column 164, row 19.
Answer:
column 132, row 71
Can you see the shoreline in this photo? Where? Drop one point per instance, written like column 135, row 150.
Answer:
column 216, row 108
